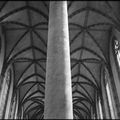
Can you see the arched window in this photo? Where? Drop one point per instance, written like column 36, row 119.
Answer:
column 110, row 96
column 99, row 111
column 4, row 93
column 109, row 100
column 100, row 107
column 13, row 108
column 117, row 50
column 2, row 53
column 10, row 95
column 114, row 71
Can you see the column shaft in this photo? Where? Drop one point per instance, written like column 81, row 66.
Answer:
column 58, row 92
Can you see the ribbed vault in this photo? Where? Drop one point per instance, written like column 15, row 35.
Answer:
column 25, row 28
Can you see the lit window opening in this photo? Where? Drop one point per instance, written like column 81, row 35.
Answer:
column 117, row 51
column 100, row 109
column 110, row 101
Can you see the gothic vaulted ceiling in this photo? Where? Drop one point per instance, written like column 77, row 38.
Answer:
column 25, row 29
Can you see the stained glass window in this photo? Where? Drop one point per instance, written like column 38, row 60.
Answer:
column 117, row 50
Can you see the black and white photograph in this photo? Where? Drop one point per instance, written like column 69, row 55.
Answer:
column 59, row 59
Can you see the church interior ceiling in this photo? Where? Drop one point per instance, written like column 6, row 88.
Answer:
column 25, row 30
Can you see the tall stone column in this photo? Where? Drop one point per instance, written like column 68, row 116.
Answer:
column 58, row 92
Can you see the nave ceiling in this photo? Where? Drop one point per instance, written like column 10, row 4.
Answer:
column 25, row 29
